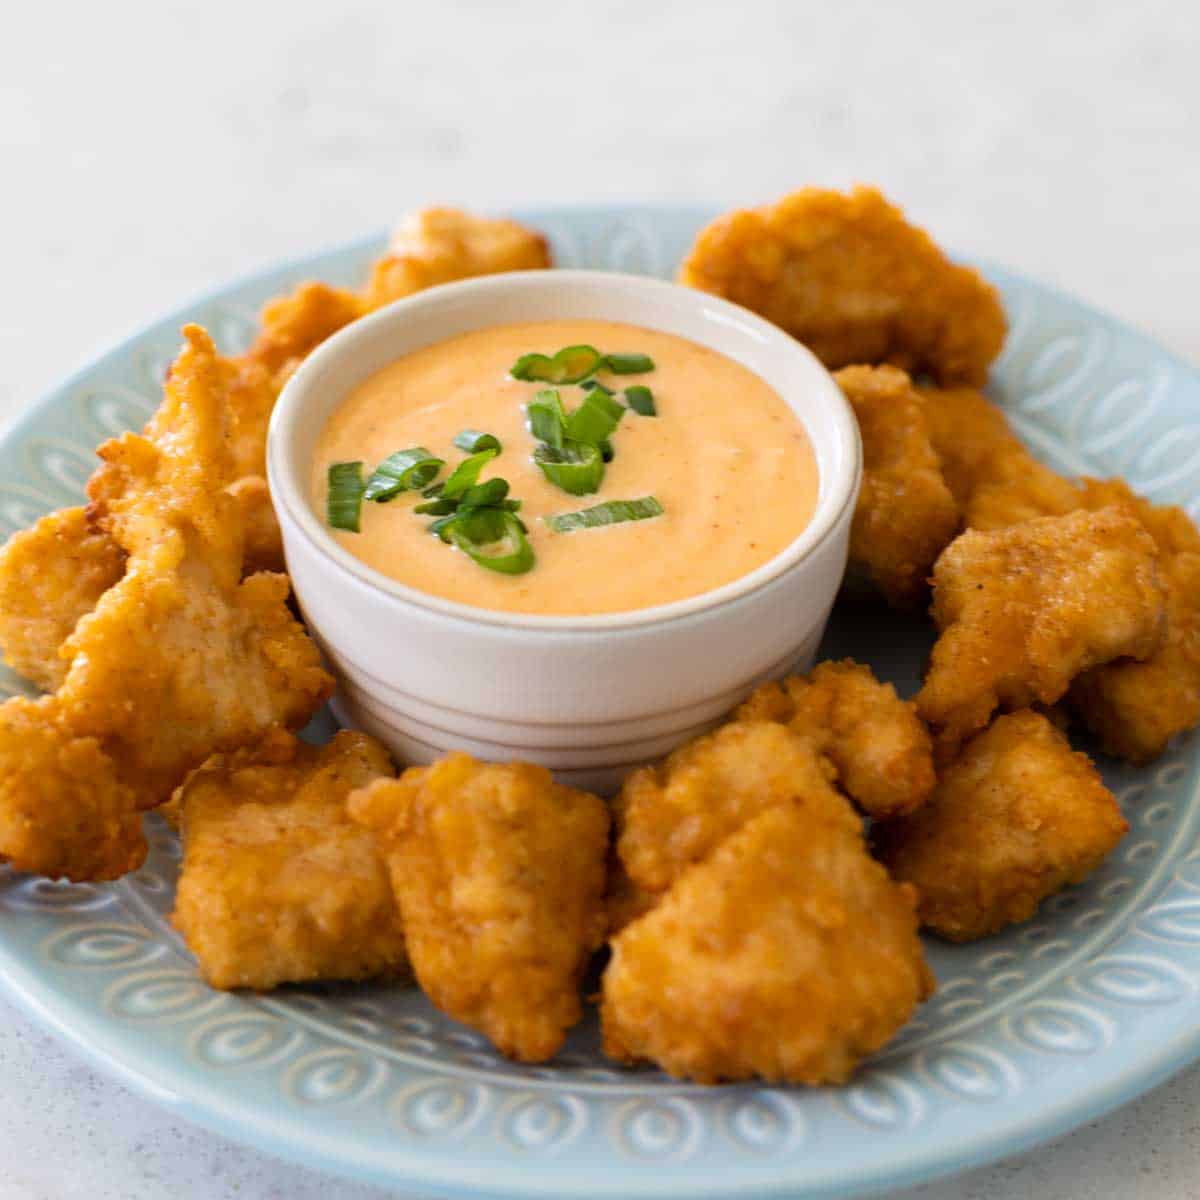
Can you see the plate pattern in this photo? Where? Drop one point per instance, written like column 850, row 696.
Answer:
column 1029, row 1034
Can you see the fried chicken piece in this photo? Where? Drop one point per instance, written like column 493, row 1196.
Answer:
column 293, row 326
column 1136, row 708
column 906, row 515
column 64, row 810
column 1015, row 818
column 995, row 480
column 440, row 245
column 263, row 543
column 499, row 872
column 677, row 813
column 881, row 749
column 787, row 955
column 854, row 281
column 1024, row 610
column 51, row 575
column 278, row 884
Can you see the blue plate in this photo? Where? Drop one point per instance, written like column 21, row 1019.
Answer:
column 1030, row 1034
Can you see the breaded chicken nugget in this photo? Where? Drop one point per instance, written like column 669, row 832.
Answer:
column 1015, row 818
column 440, row 245
column 64, row 810
column 1024, row 610
column 278, row 884
column 262, row 542
column 788, row 954
column 849, row 277
column 881, row 749
column 906, row 515
column 499, row 872
column 293, row 326
column 51, row 575
column 1136, row 708
column 677, row 813
column 995, row 480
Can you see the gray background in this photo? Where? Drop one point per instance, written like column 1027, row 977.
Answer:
column 150, row 151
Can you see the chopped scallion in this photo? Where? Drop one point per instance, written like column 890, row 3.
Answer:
column 595, row 419
column 578, row 467
column 494, row 539
column 547, row 418
column 629, row 364
column 484, row 495
column 641, row 400
column 611, row 512
column 471, row 441
column 466, row 474
column 343, row 503
column 406, row 470
column 572, row 364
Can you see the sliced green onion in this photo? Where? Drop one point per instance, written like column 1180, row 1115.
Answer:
column 343, row 503
column 629, row 364
column 404, row 471
column 433, row 490
column 570, row 365
column 471, row 441
column 437, row 508
column 466, row 474
column 641, row 400
column 577, row 468
column 441, row 527
column 484, row 495
column 606, row 450
column 494, row 539
column 589, row 384
column 595, row 419
column 547, row 418
column 611, row 512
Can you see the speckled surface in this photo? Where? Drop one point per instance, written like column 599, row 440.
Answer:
column 160, row 148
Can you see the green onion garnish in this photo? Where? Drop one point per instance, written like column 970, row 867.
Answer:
column 577, row 468
column 437, row 508
column 471, row 441
column 404, row 471
column 595, row 419
column 606, row 450
column 641, row 400
column 343, row 503
column 466, row 474
column 629, row 364
column 571, row 364
column 441, row 527
column 590, row 384
column 547, row 418
column 494, row 539
column 484, row 495
column 611, row 512
column 434, row 489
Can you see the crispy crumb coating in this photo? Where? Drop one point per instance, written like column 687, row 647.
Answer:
column 881, row 749
column 1136, row 708
column 906, row 515
column 51, row 575
column 852, row 279
column 64, row 809
column 278, row 884
column 678, row 812
column 499, row 872
column 1024, row 610
column 788, row 955
column 262, row 542
column 1016, row 817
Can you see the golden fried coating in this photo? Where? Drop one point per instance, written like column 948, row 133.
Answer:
column 854, row 281
column 51, row 575
column 995, row 480
column 262, row 546
column 881, row 749
column 788, row 954
column 440, row 245
column 1024, row 610
column 278, row 884
column 906, row 515
column 64, row 810
column 677, row 813
column 293, row 326
column 1136, row 708
column 1015, row 818
column 499, row 872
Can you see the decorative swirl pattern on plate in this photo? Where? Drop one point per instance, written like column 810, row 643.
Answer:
column 1041, row 1011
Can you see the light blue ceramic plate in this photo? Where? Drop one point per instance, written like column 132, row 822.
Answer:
column 1029, row 1035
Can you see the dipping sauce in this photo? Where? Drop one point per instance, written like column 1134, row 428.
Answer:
column 727, row 459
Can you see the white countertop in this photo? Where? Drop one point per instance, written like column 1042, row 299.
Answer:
column 153, row 150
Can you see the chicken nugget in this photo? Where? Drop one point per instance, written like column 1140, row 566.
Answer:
column 852, row 279
column 278, row 884
column 1023, row 610
column 51, row 575
column 677, row 813
column 262, row 546
column 291, row 327
column 499, row 873
column 787, row 955
column 1016, row 817
column 906, row 515
column 881, row 749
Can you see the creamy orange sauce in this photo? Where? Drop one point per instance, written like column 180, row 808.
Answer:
column 727, row 458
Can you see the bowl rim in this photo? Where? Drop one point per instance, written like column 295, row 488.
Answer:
column 290, row 496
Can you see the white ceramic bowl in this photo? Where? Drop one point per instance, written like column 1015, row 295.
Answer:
column 587, row 696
